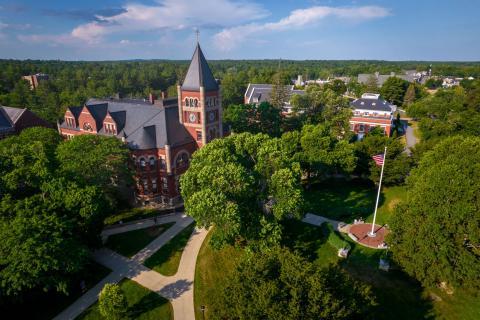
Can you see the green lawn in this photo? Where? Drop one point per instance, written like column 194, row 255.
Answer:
column 211, row 269
column 142, row 303
column 167, row 259
column 129, row 243
column 347, row 200
column 46, row 305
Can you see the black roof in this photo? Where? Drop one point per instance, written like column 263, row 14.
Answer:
column 143, row 125
column 372, row 104
column 199, row 73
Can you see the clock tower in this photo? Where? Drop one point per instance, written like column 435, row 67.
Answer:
column 199, row 101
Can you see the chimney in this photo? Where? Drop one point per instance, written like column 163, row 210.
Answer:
column 151, row 98
column 164, row 95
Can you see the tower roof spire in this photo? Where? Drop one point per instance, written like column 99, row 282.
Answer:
column 199, row 73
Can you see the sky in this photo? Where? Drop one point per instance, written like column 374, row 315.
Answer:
column 446, row 30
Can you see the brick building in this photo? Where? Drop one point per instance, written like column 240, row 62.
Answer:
column 35, row 79
column 371, row 111
column 161, row 134
column 14, row 120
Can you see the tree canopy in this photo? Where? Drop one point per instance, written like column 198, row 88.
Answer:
column 435, row 235
column 393, row 90
column 279, row 284
column 218, row 186
column 50, row 216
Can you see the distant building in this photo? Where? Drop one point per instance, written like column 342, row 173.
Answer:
column 35, row 79
column 258, row 93
column 408, row 75
column 14, row 120
column 371, row 111
column 449, row 82
column 161, row 134
column 299, row 82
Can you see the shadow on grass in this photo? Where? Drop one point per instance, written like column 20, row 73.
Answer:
column 341, row 199
column 398, row 295
column 147, row 303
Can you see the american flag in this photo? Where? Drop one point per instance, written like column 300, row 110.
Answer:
column 379, row 159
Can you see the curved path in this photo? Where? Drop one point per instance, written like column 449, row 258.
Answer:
column 178, row 288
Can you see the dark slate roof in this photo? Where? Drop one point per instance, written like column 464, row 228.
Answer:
column 5, row 122
column 372, row 104
column 257, row 93
column 143, row 125
column 14, row 113
column 199, row 73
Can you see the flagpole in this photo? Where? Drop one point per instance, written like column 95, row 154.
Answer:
column 372, row 233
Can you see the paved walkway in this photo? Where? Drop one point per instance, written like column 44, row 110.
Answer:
column 410, row 138
column 318, row 220
column 178, row 288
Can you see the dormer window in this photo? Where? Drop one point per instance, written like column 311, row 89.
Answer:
column 110, row 128
column 70, row 122
column 362, row 103
column 87, row 126
column 182, row 160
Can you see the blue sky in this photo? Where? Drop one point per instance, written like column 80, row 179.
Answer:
column 240, row 29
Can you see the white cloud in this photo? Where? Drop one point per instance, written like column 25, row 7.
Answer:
column 171, row 14
column 229, row 38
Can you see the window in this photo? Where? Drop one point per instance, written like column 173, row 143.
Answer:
column 199, row 135
column 70, row 122
column 145, row 186
column 365, row 113
column 154, row 186
column 143, row 164
column 186, row 102
column 163, row 163
column 177, row 183
column 87, row 126
column 164, row 184
column 151, row 161
column 195, row 102
column 110, row 128
column 191, row 102
column 182, row 160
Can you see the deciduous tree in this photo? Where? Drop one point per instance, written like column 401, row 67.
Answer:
column 435, row 235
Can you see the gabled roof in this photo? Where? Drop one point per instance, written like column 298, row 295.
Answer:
column 5, row 122
column 143, row 125
column 199, row 74
column 257, row 93
column 14, row 113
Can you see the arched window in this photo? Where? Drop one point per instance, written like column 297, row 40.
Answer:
column 182, row 160
column 151, row 161
column 186, row 102
column 195, row 102
column 142, row 163
column 191, row 102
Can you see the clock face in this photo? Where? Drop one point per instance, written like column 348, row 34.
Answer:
column 192, row 117
column 211, row 116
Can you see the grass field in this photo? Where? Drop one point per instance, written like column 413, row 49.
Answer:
column 167, row 259
column 42, row 306
column 211, row 269
column 143, row 304
column 347, row 200
column 129, row 243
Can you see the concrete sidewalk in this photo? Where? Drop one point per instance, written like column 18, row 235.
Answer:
column 318, row 220
column 178, row 288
